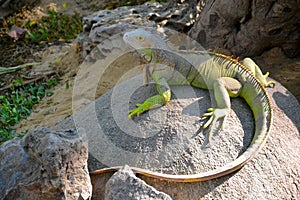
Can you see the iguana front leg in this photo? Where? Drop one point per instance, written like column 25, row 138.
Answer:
column 163, row 97
column 223, row 88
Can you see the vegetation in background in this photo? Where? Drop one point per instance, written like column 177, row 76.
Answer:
column 17, row 104
column 53, row 27
column 5, row 70
column 42, row 28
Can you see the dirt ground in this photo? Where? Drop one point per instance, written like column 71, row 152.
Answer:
column 67, row 58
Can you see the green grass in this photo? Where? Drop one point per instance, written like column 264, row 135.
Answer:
column 54, row 27
column 17, row 104
column 49, row 27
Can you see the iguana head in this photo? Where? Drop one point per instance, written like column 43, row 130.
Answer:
column 144, row 42
column 142, row 39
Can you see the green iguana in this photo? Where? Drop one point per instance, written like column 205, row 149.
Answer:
column 226, row 76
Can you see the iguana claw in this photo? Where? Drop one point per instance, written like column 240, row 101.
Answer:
column 214, row 114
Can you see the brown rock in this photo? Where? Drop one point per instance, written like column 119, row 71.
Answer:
column 249, row 27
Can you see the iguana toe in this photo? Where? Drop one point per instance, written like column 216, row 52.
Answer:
column 214, row 114
column 267, row 74
column 270, row 83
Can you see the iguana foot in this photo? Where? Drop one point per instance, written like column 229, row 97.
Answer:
column 214, row 114
column 152, row 102
column 269, row 82
column 137, row 111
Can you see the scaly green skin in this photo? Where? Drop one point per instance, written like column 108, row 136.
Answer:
column 223, row 74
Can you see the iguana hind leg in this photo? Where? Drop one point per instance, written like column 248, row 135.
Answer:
column 254, row 68
column 163, row 97
column 223, row 88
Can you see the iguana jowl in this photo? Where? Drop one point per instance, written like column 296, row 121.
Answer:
column 226, row 76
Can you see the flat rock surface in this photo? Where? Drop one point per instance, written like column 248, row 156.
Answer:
column 167, row 140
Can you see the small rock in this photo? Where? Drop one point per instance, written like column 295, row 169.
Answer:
column 125, row 185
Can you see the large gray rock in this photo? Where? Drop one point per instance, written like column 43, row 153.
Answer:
column 169, row 139
column 126, row 186
column 45, row 165
column 103, row 24
column 179, row 16
column 249, row 27
column 170, row 145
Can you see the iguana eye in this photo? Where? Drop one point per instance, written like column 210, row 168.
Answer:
column 148, row 58
column 140, row 38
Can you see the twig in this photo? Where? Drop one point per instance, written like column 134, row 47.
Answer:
column 5, row 70
column 29, row 81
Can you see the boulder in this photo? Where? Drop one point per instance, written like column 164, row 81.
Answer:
column 126, row 186
column 166, row 140
column 45, row 164
column 249, row 28
column 103, row 24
